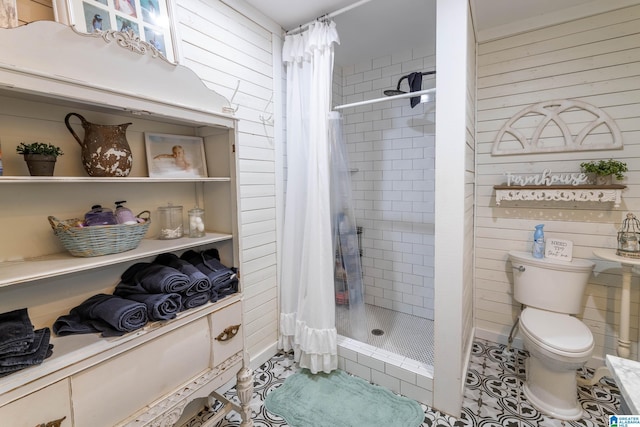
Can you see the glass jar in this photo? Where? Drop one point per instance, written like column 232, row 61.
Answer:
column 196, row 222
column 170, row 218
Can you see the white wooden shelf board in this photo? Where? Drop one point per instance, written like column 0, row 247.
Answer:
column 14, row 272
column 92, row 180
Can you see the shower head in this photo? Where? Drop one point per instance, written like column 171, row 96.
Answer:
column 397, row 91
column 392, row 92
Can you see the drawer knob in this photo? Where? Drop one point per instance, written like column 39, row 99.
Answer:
column 55, row 423
column 228, row 333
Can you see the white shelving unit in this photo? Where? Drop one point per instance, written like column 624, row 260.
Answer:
column 46, row 71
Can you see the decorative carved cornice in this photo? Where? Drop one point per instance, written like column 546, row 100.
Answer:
column 167, row 411
column 128, row 40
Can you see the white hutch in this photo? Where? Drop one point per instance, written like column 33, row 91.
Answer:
column 146, row 377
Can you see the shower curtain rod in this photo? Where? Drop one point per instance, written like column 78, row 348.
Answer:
column 385, row 98
column 301, row 28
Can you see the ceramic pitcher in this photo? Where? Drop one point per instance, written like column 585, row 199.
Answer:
column 105, row 150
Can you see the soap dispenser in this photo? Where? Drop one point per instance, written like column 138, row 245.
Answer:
column 99, row 216
column 124, row 215
column 538, row 242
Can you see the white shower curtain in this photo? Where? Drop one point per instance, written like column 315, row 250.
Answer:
column 307, row 318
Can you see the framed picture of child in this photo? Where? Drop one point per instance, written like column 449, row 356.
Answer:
column 175, row 156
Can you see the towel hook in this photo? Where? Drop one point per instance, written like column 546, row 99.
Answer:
column 232, row 109
column 267, row 120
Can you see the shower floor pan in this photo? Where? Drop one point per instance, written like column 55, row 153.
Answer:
column 402, row 334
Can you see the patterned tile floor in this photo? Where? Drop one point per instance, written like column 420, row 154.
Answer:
column 492, row 395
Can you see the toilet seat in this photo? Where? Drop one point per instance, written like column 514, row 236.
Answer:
column 561, row 334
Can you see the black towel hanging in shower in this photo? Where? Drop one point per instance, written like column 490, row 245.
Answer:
column 415, row 84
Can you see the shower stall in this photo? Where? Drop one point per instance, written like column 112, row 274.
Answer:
column 385, row 324
column 391, row 151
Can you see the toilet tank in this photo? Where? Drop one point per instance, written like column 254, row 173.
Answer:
column 549, row 284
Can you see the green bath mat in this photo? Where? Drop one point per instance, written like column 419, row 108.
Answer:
column 338, row 399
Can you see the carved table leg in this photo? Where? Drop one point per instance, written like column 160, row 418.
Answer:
column 244, row 387
column 624, row 343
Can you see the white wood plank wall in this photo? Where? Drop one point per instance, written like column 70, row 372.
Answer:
column 596, row 60
column 469, row 204
column 225, row 47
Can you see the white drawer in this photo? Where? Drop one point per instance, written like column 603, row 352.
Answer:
column 46, row 405
column 223, row 325
column 117, row 388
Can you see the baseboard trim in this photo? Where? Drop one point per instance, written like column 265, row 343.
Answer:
column 262, row 357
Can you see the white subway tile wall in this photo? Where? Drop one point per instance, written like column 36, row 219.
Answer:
column 392, row 151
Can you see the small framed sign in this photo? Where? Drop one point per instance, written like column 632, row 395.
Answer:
column 558, row 249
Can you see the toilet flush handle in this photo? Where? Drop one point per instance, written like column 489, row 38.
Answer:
column 521, row 268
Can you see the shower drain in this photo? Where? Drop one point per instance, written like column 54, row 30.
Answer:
column 377, row 332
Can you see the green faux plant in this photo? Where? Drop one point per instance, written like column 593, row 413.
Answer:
column 39, row 148
column 605, row 167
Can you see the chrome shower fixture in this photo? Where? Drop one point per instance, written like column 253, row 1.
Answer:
column 397, row 91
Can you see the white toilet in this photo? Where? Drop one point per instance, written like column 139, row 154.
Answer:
column 557, row 342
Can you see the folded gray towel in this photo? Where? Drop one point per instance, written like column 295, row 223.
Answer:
column 33, row 355
column 16, row 331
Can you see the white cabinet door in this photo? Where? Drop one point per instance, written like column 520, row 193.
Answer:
column 44, row 406
column 112, row 391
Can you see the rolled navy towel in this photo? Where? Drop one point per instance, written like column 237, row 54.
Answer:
column 154, row 278
column 16, row 331
column 196, row 300
column 109, row 314
column 159, row 306
column 223, row 279
column 198, row 281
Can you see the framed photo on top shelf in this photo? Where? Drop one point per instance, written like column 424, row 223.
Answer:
column 175, row 156
column 146, row 21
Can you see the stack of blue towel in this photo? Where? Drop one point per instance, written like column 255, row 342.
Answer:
column 20, row 345
column 224, row 280
column 152, row 291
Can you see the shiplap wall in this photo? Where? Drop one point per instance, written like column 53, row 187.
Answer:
column 469, row 203
column 225, row 48
column 596, row 60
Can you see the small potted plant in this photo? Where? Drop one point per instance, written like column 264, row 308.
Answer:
column 40, row 157
column 604, row 170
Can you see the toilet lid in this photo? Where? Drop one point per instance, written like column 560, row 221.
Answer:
column 559, row 331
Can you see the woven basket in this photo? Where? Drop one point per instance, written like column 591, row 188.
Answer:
column 99, row 239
